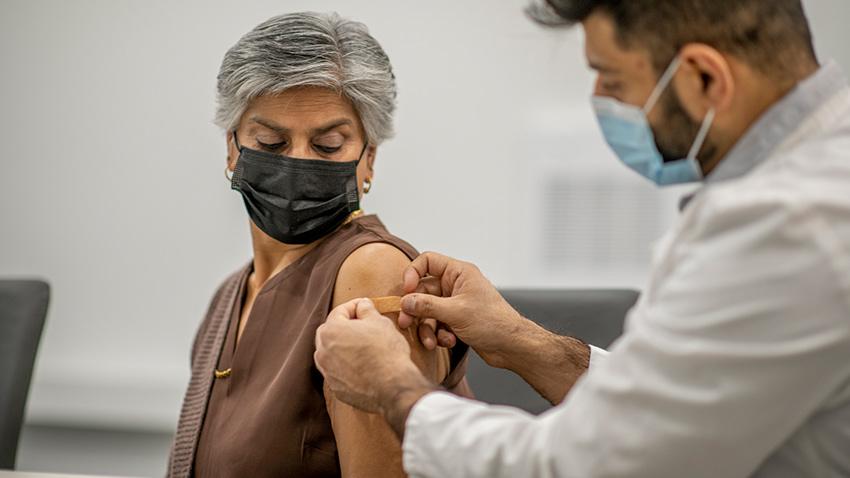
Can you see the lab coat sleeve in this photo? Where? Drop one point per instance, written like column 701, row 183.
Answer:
column 741, row 334
column 597, row 358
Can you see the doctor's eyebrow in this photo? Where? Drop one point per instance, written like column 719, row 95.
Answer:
column 600, row 67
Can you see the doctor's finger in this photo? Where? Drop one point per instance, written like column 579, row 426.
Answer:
column 428, row 306
column 365, row 310
column 427, row 264
column 429, row 285
column 446, row 338
column 426, row 285
column 427, row 329
column 346, row 311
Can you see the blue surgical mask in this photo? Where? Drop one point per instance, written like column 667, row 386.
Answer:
column 627, row 131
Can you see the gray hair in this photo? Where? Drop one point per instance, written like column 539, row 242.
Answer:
column 309, row 49
column 542, row 12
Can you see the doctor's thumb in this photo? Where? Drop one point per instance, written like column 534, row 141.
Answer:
column 366, row 310
column 427, row 306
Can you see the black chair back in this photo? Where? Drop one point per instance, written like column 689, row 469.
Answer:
column 594, row 316
column 23, row 307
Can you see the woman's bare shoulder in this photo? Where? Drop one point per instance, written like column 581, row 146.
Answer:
column 372, row 270
column 376, row 270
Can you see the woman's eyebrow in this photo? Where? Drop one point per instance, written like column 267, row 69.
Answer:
column 331, row 125
column 319, row 130
column 269, row 124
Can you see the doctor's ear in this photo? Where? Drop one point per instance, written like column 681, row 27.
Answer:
column 704, row 80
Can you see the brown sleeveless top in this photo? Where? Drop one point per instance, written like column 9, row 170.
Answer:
column 269, row 418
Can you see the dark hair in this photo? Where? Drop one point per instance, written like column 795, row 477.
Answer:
column 772, row 36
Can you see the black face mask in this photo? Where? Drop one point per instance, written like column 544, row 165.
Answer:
column 296, row 201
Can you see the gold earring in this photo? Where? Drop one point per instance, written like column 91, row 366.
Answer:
column 367, row 186
column 226, row 169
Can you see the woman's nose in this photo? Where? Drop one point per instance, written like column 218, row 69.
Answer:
column 301, row 149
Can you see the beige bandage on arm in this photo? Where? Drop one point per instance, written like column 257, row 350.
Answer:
column 387, row 305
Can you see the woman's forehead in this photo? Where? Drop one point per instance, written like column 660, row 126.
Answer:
column 301, row 108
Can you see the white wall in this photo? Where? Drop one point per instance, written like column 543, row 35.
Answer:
column 113, row 185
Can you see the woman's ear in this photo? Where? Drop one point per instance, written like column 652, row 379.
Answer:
column 371, row 152
column 704, row 81
column 232, row 151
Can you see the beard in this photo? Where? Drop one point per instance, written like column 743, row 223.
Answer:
column 679, row 131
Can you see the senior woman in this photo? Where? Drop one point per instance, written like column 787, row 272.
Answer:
column 305, row 100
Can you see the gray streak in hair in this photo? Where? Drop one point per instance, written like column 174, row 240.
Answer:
column 542, row 12
column 309, row 49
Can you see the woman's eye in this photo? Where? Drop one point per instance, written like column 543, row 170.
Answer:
column 327, row 149
column 273, row 147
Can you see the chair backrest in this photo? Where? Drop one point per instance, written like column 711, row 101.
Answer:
column 23, row 307
column 594, row 316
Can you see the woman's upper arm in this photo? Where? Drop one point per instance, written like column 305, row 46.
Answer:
column 367, row 445
column 376, row 270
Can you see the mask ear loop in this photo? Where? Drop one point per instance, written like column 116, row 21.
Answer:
column 236, row 142
column 238, row 148
column 703, row 133
column 366, row 188
column 665, row 80
column 365, row 145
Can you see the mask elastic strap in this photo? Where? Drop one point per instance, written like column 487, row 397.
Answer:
column 662, row 84
column 365, row 145
column 703, row 133
column 236, row 142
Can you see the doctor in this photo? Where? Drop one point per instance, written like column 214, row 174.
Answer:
column 736, row 360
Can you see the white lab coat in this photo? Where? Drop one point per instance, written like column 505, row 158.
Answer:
column 736, row 360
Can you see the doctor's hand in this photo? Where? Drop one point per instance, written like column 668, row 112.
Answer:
column 462, row 301
column 366, row 362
